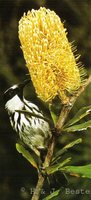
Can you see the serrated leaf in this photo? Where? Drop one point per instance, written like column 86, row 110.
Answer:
column 64, row 149
column 52, row 195
column 80, row 114
column 26, row 155
column 56, row 167
column 79, row 127
column 82, row 171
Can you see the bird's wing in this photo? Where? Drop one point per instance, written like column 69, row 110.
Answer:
column 33, row 110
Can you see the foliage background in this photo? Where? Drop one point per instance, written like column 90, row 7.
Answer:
column 17, row 177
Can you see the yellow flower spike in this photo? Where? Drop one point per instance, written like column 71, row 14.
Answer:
column 48, row 55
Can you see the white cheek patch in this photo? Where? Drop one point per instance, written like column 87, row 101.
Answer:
column 14, row 104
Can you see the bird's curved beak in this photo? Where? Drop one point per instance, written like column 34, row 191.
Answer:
column 24, row 83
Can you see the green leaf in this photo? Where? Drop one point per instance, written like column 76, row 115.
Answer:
column 52, row 195
column 56, row 167
column 26, row 155
column 64, row 149
column 79, row 127
column 53, row 115
column 82, row 171
column 80, row 114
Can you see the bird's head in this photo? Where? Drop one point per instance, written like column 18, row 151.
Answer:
column 14, row 94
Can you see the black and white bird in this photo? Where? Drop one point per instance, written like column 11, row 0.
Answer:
column 33, row 131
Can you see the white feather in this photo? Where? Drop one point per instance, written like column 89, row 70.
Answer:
column 14, row 104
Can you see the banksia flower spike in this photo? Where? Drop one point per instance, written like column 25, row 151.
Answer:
column 48, row 54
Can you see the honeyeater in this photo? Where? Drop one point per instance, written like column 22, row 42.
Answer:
column 34, row 131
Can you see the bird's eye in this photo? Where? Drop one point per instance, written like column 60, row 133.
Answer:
column 11, row 92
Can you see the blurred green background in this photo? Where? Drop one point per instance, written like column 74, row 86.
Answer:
column 17, row 177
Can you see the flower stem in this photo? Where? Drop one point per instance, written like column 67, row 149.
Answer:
column 62, row 118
